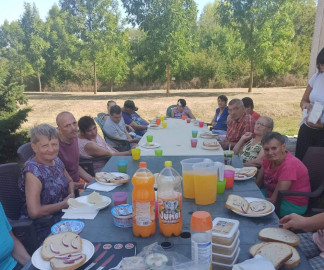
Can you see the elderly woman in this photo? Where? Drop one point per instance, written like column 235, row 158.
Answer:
column 92, row 145
column 249, row 147
column 219, row 121
column 181, row 109
column 282, row 171
column 45, row 184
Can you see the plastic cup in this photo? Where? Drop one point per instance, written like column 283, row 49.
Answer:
column 183, row 117
column 136, row 153
column 229, row 176
column 194, row 143
column 164, row 124
column 158, row 121
column 188, row 120
column 158, row 152
column 201, row 124
column 122, row 166
column 194, row 133
column 221, row 186
column 119, row 198
column 228, row 157
column 149, row 138
column 161, row 118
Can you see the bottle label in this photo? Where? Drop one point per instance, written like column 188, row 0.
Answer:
column 169, row 211
column 201, row 252
column 143, row 213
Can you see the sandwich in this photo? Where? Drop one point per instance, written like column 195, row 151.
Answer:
column 211, row 143
column 245, row 172
column 106, row 177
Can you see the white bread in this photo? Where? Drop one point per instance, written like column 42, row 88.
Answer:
column 211, row 143
column 279, row 235
column 253, row 249
column 277, row 253
column 76, row 204
column 106, row 177
column 246, row 172
column 68, row 262
column 259, row 207
column 237, row 203
column 61, row 244
column 95, row 198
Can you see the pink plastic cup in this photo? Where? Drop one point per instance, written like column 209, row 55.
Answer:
column 194, row 143
column 201, row 124
column 229, row 176
column 119, row 198
column 188, row 120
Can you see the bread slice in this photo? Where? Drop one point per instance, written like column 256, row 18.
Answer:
column 277, row 253
column 279, row 235
column 259, row 207
column 237, row 203
column 253, row 249
column 68, row 262
column 211, row 143
column 61, row 244
column 246, row 171
column 76, row 204
column 94, row 198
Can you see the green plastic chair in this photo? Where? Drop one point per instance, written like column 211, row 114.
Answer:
column 168, row 111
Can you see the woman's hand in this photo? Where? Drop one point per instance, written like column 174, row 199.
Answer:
column 272, row 200
column 306, row 105
column 247, row 136
column 64, row 202
column 293, row 222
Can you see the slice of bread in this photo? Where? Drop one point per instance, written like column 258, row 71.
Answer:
column 211, row 143
column 246, row 171
column 237, row 203
column 259, row 207
column 279, row 235
column 253, row 249
column 76, row 204
column 277, row 253
column 68, row 262
column 95, row 198
column 61, row 244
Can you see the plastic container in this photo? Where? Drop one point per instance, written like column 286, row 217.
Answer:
column 119, row 198
column 222, row 266
column 226, row 250
column 188, row 175
column 224, row 231
column 169, row 197
column 123, row 215
column 226, row 259
column 201, row 237
column 143, row 198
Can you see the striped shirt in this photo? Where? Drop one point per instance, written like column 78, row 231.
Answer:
column 236, row 128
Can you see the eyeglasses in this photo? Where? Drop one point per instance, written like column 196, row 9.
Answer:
column 260, row 124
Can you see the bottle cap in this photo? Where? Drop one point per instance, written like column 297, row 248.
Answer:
column 142, row 164
column 168, row 164
column 201, row 221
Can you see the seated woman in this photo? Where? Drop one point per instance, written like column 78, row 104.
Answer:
column 249, row 148
column 45, row 184
column 92, row 145
column 282, row 171
column 311, row 244
column 219, row 121
column 13, row 254
column 249, row 107
column 181, row 109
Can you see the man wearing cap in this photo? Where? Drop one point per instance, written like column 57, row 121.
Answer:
column 133, row 119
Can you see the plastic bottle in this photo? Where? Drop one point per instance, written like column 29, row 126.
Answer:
column 169, row 197
column 143, row 198
column 201, row 239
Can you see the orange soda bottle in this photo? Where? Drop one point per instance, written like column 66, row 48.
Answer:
column 169, row 197
column 143, row 198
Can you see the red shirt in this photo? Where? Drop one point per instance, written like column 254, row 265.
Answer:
column 236, row 128
column 255, row 115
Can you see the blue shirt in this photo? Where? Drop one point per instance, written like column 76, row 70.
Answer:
column 222, row 121
column 6, row 243
column 134, row 117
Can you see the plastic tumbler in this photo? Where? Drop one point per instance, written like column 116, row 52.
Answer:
column 194, row 143
column 158, row 152
column 161, row 118
column 122, row 166
column 149, row 138
column 229, row 176
column 136, row 153
column 164, row 124
column 183, row 117
column 201, row 124
column 221, row 186
column 188, row 120
column 228, row 157
column 119, row 198
column 158, row 121
column 194, row 133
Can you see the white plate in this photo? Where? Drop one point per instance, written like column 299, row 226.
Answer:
column 116, row 174
column 245, row 177
column 84, row 199
column 210, row 148
column 154, row 127
column 211, row 136
column 154, row 145
column 40, row 263
column 250, row 199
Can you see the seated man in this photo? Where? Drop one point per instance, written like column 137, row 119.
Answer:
column 133, row 119
column 280, row 170
column 249, row 107
column 238, row 123
column 69, row 149
column 115, row 126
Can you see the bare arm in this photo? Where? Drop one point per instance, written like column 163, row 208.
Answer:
column 212, row 121
column 19, row 252
column 281, row 185
column 33, row 190
column 129, row 128
column 172, row 113
column 191, row 114
column 305, row 102
column 308, row 224
column 84, row 175
column 247, row 136
column 136, row 126
column 259, row 180
column 94, row 150
column 71, row 183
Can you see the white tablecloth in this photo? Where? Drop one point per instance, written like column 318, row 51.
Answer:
column 175, row 140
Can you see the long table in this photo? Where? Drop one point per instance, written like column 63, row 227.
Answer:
column 175, row 139
column 102, row 229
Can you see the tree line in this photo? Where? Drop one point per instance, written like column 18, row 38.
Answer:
column 86, row 44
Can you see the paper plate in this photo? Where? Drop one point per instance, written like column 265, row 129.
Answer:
column 150, row 145
column 124, row 175
column 210, row 148
column 250, row 199
column 243, row 178
column 84, row 199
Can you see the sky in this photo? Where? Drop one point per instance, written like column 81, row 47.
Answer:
column 13, row 9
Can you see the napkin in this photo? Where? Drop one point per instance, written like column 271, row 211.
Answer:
column 100, row 187
column 315, row 113
column 256, row 263
column 80, row 213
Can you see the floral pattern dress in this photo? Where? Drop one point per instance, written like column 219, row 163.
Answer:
column 249, row 151
column 55, row 187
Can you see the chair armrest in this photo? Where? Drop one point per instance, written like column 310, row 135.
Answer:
column 88, row 167
column 20, row 223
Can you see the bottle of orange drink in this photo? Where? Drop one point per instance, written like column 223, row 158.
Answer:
column 169, row 197
column 143, row 198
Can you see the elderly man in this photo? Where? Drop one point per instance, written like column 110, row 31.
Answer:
column 115, row 126
column 132, row 119
column 238, row 123
column 69, row 150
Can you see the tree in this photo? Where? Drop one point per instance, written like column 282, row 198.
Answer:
column 169, row 27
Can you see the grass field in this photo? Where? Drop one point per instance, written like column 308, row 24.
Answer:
column 282, row 104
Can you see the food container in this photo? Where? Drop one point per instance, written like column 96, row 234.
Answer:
column 72, row 225
column 224, row 231
column 222, row 266
column 226, row 250
column 226, row 259
column 123, row 215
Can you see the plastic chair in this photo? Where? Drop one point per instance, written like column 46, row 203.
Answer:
column 101, row 115
column 313, row 160
column 168, row 111
column 87, row 163
column 25, row 151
